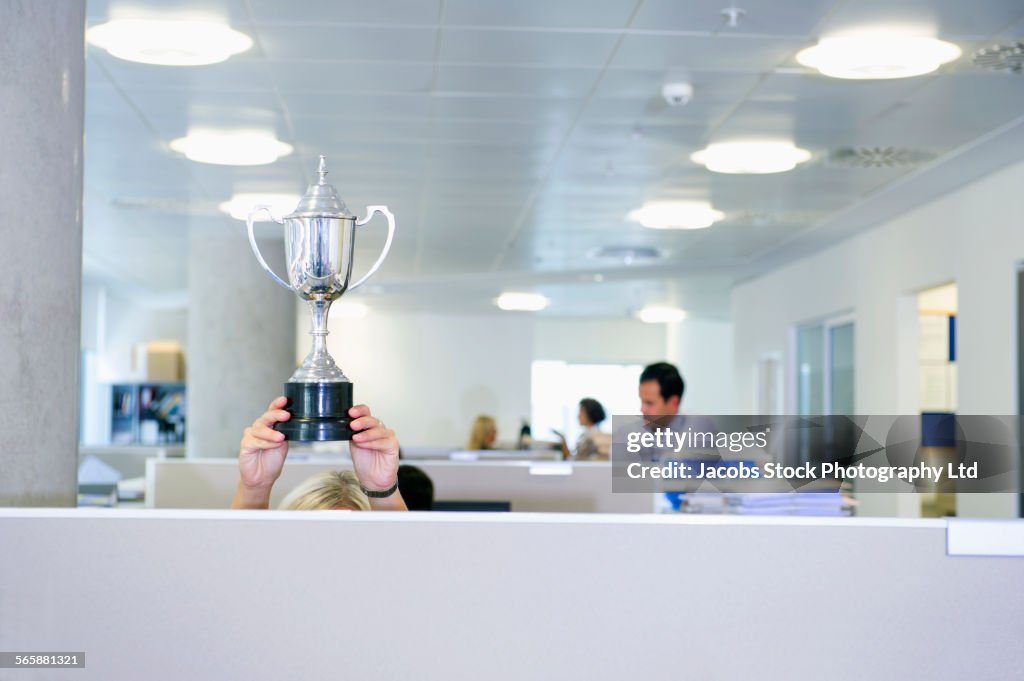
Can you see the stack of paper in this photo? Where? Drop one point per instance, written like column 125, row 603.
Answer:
column 769, row 503
column 789, row 503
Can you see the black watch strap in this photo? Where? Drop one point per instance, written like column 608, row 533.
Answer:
column 383, row 494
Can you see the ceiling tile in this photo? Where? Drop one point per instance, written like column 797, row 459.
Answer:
column 345, row 11
column 332, row 132
column 527, row 47
column 546, row 82
column 323, row 77
column 483, row 106
column 951, row 19
column 334, row 43
column 340, row 105
column 235, row 75
column 233, row 11
column 761, row 17
column 539, row 13
column 698, row 53
column 970, row 105
column 207, row 106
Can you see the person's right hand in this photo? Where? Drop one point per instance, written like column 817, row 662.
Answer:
column 263, row 449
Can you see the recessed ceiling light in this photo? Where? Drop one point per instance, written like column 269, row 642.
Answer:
column 522, row 302
column 676, row 215
column 660, row 314
column 169, row 43
column 232, row 147
column 751, row 157
column 240, row 205
column 877, row 55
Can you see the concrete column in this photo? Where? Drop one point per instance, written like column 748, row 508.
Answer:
column 241, row 339
column 42, row 75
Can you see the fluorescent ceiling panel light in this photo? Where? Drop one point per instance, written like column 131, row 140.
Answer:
column 231, row 147
column 751, row 157
column 169, row 43
column 661, row 314
column 522, row 302
column 877, row 55
column 240, row 205
column 676, row 215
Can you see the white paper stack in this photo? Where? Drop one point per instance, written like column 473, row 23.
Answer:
column 769, row 503
column 789, row 503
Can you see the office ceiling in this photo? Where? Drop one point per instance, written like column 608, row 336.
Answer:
column 511, row 138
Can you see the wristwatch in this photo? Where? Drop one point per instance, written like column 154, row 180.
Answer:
column 382, row 494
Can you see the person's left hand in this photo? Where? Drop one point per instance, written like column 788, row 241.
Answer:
column 374, row 450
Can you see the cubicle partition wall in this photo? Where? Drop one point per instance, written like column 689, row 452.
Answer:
column 536, row 486
column 171, row 595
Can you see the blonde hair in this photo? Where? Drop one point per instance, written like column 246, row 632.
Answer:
column 327, row 490
column 483, row 428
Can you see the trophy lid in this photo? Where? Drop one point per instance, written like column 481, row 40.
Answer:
column 321, row 199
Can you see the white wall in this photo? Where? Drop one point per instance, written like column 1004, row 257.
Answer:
column 598, row 341
column 973, row 236
column 429, row 375
column 703, row 351
column 127, row 323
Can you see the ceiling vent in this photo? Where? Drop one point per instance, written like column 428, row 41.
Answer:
column 627, row 255
column 877, row 157
column 1008, row 57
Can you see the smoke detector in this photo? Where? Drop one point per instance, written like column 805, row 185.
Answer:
column 677, row 94
column 877, row 157
column 1008, row 57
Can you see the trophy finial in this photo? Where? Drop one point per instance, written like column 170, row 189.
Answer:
column 323, row 169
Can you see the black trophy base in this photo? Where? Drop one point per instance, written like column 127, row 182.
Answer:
column 319, row 412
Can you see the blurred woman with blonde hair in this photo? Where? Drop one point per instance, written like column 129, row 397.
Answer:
column 327, row 490
column 483, row 434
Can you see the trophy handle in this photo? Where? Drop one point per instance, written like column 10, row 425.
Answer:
column 370, row 210
column 256, row 249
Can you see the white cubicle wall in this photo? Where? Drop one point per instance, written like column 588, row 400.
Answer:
column 535, row 486
column 219, row 595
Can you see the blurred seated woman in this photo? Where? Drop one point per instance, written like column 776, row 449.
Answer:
column 372, row 486
column 483, row 434
column 593, row 444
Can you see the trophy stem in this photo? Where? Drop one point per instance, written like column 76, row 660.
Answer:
column 319, row 309
column 318, row 366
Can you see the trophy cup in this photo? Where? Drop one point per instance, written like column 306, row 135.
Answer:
column 319, row 237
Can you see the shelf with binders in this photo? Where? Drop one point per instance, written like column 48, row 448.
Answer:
column 151, row 413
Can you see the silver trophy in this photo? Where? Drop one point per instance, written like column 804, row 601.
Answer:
column 319, row 238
